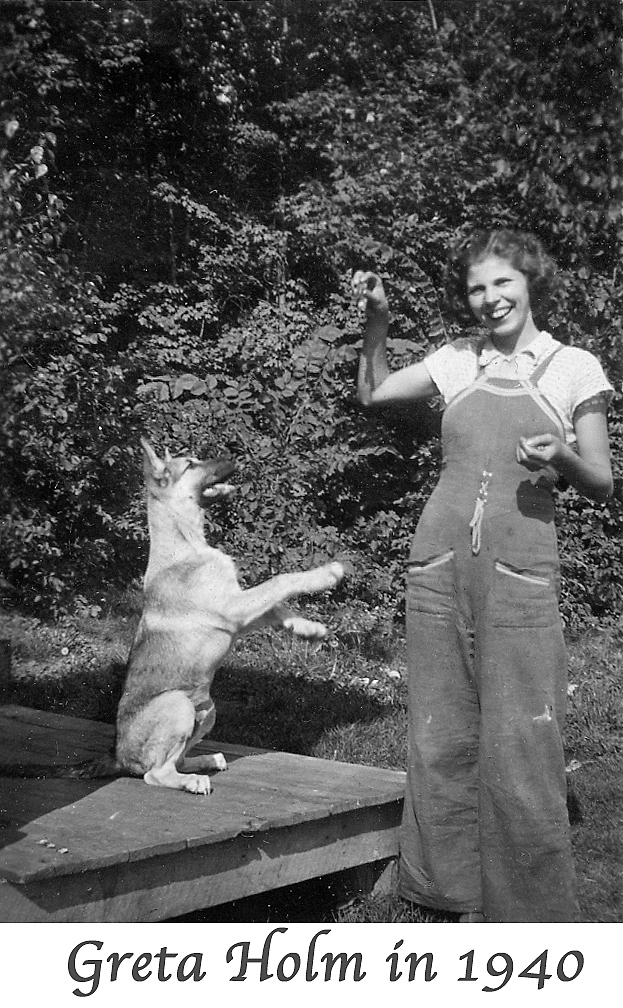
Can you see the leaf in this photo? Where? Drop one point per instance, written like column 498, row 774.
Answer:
column 186, row 383
column 328, row 334
column 159, row 389
column 199, row 388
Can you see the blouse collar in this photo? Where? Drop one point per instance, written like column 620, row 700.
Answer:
column 541, row 345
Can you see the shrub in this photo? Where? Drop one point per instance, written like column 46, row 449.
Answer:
column 187, row 273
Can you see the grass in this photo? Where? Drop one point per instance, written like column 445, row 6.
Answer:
column 344, row 699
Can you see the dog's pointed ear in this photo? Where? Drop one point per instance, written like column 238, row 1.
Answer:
column 152, row 465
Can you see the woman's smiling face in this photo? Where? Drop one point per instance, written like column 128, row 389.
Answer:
column 498, row 296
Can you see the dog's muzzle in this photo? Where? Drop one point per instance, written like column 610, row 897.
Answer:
column 217, row 471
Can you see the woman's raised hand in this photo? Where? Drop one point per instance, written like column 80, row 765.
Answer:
column 369, row 293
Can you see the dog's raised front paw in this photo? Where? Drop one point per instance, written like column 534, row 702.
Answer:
column 305, row 628
column 342, row 568
column 219, row 490
column 337, row 570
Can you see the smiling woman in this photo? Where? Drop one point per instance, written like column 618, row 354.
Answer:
column 523, row 253
column 485, row 830
column 499, row 298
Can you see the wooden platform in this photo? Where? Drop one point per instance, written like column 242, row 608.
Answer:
column 120, row 851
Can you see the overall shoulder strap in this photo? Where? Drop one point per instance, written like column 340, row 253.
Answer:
column 541, row 368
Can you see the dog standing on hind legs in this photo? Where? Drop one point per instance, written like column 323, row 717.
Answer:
column 193, row 611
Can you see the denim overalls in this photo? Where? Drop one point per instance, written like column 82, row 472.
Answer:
column 485, row 825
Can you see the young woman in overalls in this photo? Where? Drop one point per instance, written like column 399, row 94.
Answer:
column 485, row 829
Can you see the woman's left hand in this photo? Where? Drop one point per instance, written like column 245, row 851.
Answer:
column 540, row 451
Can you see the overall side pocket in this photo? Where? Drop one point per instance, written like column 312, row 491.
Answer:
column 430, row 584
column 521, row 598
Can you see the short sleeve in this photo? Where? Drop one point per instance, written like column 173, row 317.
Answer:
column 437, row 366
column 453, row 367
column 587, row 379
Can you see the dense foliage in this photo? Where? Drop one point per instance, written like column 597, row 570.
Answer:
column 187, row 186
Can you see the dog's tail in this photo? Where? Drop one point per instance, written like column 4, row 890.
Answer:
column 105, row 765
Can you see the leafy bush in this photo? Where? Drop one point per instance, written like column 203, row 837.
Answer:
column 188, row 192
column 65, row 412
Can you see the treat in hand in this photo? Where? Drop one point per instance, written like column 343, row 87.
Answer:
column 368, row 291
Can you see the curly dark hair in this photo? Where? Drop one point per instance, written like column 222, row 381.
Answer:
column 522, row 250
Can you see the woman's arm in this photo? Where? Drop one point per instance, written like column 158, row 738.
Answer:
column 376, row 385
column 588, row 470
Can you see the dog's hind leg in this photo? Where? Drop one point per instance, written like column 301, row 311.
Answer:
column 205, row 719
column 155, row 742
column 209, row 761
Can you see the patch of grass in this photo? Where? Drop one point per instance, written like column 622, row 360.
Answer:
column 313, row 699
column 343, row 699
column 74, row 666
column 390, row 910
column 598, row 842
column 594, row 728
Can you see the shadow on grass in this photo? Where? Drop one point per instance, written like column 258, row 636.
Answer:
column 93, row 695
column 314, row 902
column 598, row 841
column 255, row 707
column 326, row 900
column 286, row 711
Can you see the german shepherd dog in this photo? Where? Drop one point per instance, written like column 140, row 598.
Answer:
column 193, row 612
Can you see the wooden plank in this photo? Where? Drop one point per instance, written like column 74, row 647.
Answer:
column 163, row 887
column 340, row 784
column 98, row 823
column 31, row 736
column 127, row 820
column 132, row 852
column 43, row 746
column 276, row 769
column 33, row 717
column 42, row 737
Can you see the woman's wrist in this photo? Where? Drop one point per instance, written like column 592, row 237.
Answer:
column 378, row 317
column 589, row 480
column 376, row 329
column 564, row 458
